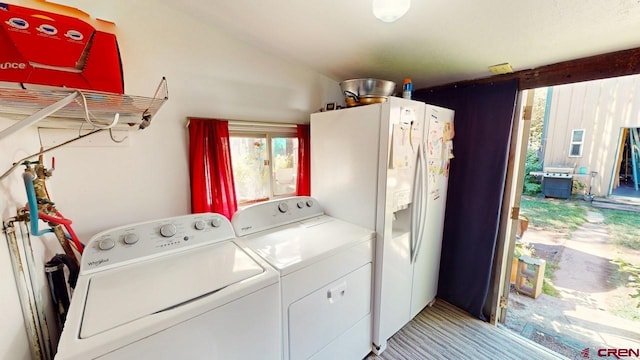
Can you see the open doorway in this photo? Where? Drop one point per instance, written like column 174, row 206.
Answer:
column 627, row 174
column 574, row 265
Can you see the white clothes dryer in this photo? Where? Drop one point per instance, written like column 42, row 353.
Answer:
column 176, row 288
column 326, row 275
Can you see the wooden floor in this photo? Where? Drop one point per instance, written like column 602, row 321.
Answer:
column 446, row 332
column 626, row 190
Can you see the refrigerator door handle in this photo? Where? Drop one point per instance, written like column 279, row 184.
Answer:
column 422, row 201
column 415, row 206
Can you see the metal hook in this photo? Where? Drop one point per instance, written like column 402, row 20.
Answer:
column 87, row 116
column 114, row 139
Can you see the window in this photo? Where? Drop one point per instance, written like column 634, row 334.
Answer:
column 264, row 161
column 577, row 140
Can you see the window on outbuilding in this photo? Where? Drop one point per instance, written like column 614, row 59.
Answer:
column 577, row 142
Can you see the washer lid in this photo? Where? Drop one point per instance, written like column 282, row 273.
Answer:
column 118, row 296
column 291, row 247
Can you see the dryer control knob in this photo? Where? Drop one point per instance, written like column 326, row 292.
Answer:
column 106, row 244
column 199, row 225
column 283, row 207
column 215, row 222
column 309, row 203
column 130, row 239
column 300, row 204
column 168, row 230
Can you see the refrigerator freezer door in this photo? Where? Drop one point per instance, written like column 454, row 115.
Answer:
column 406, row 136
column 402, row 159
column 344, row 162
column 395, row 295
column 394, row 270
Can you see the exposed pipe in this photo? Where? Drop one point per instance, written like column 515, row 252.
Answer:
column 28, row 176
column 36, row 289
column 34, row 215
column 40, row 207
column 23, row 286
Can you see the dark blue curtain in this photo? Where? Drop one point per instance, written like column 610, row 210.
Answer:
column 483, row 119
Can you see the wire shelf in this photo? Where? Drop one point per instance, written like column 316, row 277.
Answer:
column 101, row 107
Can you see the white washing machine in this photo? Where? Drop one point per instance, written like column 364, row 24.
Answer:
column 326, row 275
column 177, row 288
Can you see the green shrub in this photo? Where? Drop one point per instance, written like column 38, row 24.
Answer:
column 532, row 184
column 578, row 188
column 532, row 189
column 523, row 249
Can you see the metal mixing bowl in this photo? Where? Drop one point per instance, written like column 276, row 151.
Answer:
column 365, row 87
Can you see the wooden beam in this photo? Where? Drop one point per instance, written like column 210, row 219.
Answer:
column 614, row 64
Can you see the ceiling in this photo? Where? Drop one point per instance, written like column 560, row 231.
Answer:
column 436, row 42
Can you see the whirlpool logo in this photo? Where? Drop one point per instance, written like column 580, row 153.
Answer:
column 98, row 262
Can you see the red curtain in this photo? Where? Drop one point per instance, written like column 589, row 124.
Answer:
column 303, row 180
column 212, row 187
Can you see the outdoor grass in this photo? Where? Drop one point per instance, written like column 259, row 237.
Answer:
column 628, row 275
column 624, row 307
column 547, row 284
column 558, row 215
column 624, row 227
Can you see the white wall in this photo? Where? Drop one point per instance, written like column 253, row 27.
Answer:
column 209, row 74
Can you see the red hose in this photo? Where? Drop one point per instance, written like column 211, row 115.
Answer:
column 61, row 220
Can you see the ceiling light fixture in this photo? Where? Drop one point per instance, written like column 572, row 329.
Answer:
column 390, row 10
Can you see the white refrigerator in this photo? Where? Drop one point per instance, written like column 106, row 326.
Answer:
column 386, row 167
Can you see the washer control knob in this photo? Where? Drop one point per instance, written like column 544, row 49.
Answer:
column 106, row 244
column 300, row 204
column 309, row 203
column 199, row 225
column 283, row 207
column 215, row 222
column 168, row 230
column 130, row 239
